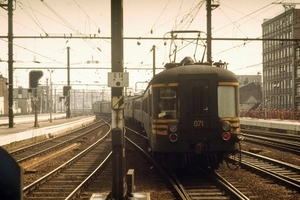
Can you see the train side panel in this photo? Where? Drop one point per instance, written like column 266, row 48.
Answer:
column 137, row 109
column 128, row 111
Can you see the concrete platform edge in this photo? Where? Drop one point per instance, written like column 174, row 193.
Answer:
column 47, row 132
column 292, row 127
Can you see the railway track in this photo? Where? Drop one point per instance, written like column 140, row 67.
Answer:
column 271, row 134
column 285, row 143
column 282, row 172
column 188, row 184
column 198, row 185
column 56, row 143
column 67, row 180
column 203, row 184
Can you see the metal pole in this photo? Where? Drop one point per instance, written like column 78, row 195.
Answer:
column 119, row 175
column 55, row 100
column 68, row 69
column 41, row 102
column 153, row 49
column 74, row 101
column 51, row 102
column 35, row 108
column 10, row 64
column 47, row 97
column 82, row 101
column 208, row 41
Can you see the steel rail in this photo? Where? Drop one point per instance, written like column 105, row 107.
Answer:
column 49, row 149
column 290, row 146
column 77, row 191
column 176, row 187
column 47, row 177
column 291, row 182
column 226, row 185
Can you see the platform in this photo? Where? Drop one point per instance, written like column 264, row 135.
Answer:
column 284, row 126
column 24, row 129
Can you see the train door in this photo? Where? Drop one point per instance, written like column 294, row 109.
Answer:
column 198, row 101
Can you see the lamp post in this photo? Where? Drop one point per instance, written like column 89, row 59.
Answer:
column 50, row 72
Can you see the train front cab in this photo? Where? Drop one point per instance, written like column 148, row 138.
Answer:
column 197, row 117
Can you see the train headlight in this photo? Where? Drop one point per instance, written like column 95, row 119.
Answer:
column 173, row 127
column 226, row 136
column 226, row 125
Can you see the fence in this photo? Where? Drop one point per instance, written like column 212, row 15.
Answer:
column 271, row 114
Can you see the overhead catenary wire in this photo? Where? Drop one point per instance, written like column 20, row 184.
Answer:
column 72, row 28
column 34, row 17
column 157, row 22
column 245, row 16
column 159, row 16
column 90, row 18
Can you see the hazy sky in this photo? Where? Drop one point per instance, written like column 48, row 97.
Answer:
column 142, row 18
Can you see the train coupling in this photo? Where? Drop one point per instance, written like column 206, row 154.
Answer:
column 200, row 148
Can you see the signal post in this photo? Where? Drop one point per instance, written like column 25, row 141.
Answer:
column 34, row 77
column 66, row 93
column 117, row 82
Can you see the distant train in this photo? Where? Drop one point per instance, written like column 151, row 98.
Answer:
column 102, row 108
column 190, row 114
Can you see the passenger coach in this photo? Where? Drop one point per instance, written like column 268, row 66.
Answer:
column 190, row 114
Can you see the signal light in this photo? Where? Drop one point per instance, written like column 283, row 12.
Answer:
column 226, row 136
column 34, row 77
column 66, row 90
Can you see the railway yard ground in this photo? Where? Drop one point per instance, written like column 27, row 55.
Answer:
column 148, row 181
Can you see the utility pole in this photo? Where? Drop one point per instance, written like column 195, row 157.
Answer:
column 116, row 81
column 47, row 96
column 209, row 8
column 51, row 102
column 153, row 49
column 9, row 8
column 68, row 69
column 36, row 123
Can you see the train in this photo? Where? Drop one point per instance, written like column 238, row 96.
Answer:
column 190, row 114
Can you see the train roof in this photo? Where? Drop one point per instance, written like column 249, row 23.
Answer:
column 171, row 74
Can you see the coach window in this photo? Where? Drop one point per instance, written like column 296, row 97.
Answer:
column 227, row 104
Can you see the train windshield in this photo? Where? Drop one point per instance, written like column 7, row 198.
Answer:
column 227, row 101
column 166, row 99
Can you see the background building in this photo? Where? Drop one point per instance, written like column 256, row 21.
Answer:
column 3, row 96
column 281, row 61
column 22, row 103
column 250, row 89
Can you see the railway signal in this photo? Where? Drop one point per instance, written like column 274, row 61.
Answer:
column 34, row 77
column 66, row 90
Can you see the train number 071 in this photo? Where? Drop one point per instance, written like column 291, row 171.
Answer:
column 198, row 123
